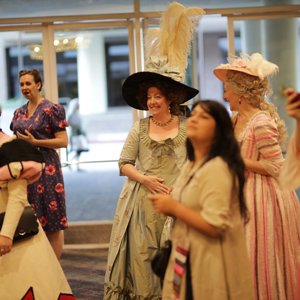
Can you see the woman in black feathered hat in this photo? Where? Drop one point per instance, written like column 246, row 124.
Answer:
column 152, row 157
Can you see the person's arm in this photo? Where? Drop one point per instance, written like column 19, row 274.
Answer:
column 17, row 198
column 290, row 173
column 153, row 183
column 251, row 165
column 266, row 141
column 214, row 195
column 167, row 205
column 255, row 166
column 127, row 167
column 59, row 141
column 297, row 136
column 293, row 110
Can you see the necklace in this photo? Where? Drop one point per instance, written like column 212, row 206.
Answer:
column 162, row 124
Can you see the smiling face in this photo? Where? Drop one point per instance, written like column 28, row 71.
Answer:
column 201, row 127
column 157, row 103
column 29, row 88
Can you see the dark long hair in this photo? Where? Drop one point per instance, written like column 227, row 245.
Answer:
column 226, row 146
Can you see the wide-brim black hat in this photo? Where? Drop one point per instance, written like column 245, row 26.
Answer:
column 130, row 88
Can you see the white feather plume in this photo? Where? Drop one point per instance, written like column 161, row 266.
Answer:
column 179, row 48
column 151, row 42
column 172, row 42
column 262, row 67
column 255, row 64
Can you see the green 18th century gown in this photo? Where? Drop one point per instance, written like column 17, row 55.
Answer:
column 137, row 228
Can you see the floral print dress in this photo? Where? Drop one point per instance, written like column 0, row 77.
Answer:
column 47, row 195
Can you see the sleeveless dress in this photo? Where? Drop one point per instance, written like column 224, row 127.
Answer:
column 47, row 195
column 30, row 270
column 273, row 232
column 137, row 228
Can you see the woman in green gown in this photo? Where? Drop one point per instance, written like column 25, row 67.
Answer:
column 152, row 157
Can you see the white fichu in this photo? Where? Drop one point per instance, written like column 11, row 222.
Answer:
column 172, row 42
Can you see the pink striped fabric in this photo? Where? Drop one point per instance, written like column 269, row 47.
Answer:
column 273, row 232
column 29, row 170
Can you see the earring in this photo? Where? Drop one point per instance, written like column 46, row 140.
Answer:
column 240, row 101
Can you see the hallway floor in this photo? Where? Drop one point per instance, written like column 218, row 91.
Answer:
column 85, row 270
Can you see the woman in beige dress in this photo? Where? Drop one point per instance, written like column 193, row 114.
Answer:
column 29, row 268
column 210, row 212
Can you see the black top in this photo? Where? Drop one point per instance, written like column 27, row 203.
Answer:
column 19, row 150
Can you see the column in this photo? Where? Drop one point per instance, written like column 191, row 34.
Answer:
column 92, row 74
column 280, row 47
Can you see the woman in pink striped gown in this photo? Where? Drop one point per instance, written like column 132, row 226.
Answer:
column 273, row 232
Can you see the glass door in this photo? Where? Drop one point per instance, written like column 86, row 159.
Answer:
column 15, row 55
column 91, row 65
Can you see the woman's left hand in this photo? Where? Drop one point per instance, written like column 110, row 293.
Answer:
column 163, row 203
column 26, row 137
column 5, row 245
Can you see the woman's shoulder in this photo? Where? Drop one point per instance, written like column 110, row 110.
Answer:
column 53, row 110
column 215, row 166
column 262, row 121
column 261, row 117
column 49, row 104
column 22, row 108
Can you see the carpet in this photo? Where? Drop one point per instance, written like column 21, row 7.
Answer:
column 85, row 270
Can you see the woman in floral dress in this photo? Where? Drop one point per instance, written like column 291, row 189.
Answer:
column 43, row 124
column 273, row 232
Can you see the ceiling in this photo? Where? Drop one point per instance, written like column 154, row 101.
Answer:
column 41, row 8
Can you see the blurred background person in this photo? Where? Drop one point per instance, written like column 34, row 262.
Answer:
column 208, row 237
column 290, row 174
column 273, row 232
column 29, row 268
column 43, row 124
column 77, row 137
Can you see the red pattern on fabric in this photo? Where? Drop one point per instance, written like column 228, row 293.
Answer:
column 66, row 297
column 29, row 295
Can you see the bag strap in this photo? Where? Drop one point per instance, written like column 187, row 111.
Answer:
column 188, row 278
